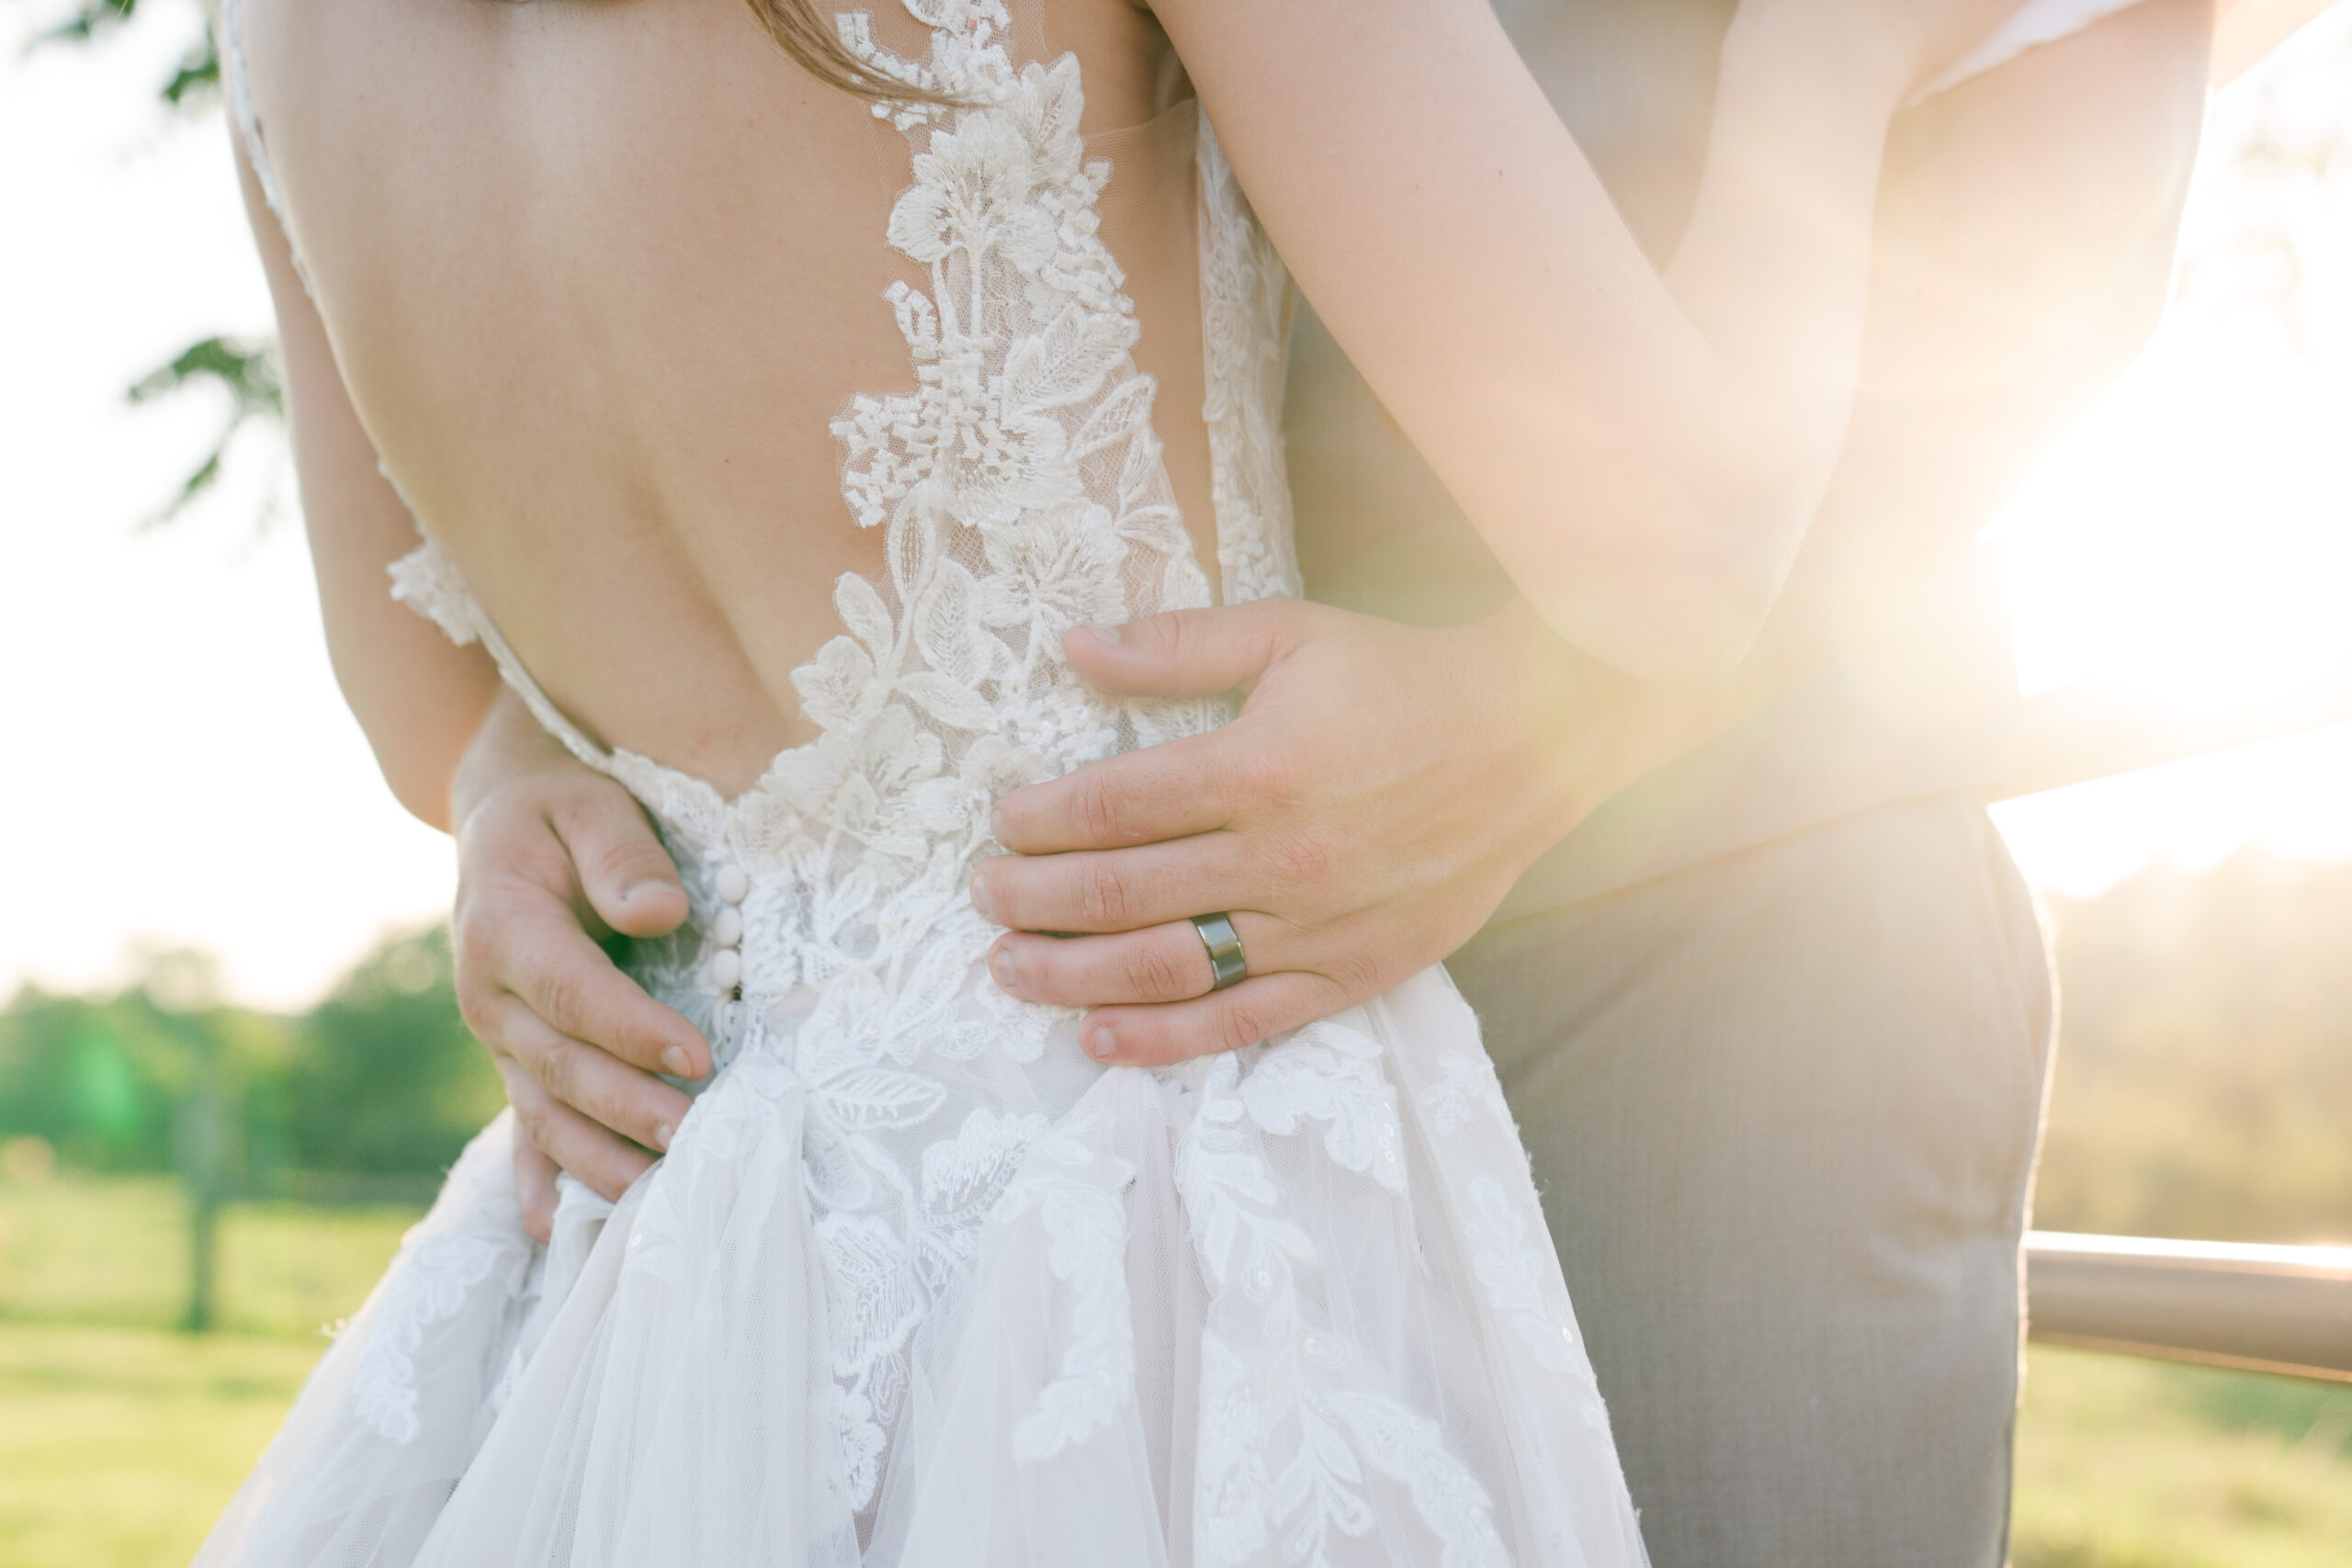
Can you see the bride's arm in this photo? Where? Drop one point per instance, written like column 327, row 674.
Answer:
column 418, row 696
column 1643, row 450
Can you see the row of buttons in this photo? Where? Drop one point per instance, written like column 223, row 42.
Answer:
column 727, row 929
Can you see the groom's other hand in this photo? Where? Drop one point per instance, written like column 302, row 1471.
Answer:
column 551, row 857
column 1378, row 795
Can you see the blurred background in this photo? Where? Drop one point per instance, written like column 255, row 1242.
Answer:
column 230, row 1070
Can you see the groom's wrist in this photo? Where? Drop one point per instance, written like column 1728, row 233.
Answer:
column 1586, row 731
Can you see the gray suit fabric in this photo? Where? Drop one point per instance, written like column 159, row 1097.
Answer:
column 1784, row 1108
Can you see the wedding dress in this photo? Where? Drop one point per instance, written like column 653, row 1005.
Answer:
column 918, row 1282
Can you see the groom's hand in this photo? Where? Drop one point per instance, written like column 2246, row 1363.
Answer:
column 1382, row 789
column 550, row 857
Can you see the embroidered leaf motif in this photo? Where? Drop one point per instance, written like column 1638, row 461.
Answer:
column 869, row 1099
column 1116, row 419
column 1468, row 1090
column 862, row 612
column 1316, row 1491
column 945, row 700
column 947, row 631
column 1067, row 361
column 835, row 686
column 1516, row 1275
column 1078, row 1196
column 1334, row 1076
column 1409, row 1447
column 928, row 992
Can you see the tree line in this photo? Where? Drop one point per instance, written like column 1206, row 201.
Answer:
column 381, row 1079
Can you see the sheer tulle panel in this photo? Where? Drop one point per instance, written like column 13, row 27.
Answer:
column 389, row 1420
column 679, row 1373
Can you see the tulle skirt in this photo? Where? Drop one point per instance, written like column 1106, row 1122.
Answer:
column 1295, row 1304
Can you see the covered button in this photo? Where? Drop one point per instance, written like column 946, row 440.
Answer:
column 732, row 884
column 727, row 931
column 726, row 968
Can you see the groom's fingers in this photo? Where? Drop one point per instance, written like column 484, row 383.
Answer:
column 590, row 1080
column 1167, row 791
column 1257, row 1009
column 608, row 1162
column 1165, row 963
column 1188, row 653
column 626, row 876
column 524, row 939
column 1115, row 890
column 534, row 1185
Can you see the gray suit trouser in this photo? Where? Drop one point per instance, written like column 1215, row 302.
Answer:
column 1783, row 1108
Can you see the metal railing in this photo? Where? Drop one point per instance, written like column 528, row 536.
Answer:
column 2271, row 1309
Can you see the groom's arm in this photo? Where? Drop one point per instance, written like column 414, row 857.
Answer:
column 2024, row 249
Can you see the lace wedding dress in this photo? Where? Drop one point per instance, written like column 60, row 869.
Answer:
column 918, row 1282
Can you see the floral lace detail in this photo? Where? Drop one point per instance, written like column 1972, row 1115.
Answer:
column 1469, row 1092
column 1284, row 1440
column 1245, row 335
column 1328, row 1073
column 1515, row 1275
column 1078, row 1190
column 426, row 580
column 474, row 1230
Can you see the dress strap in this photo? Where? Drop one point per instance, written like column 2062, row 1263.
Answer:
column 2031, row 25
column 247, row 119
column 428, row 581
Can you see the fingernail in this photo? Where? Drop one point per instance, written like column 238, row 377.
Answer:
column 1101, row 1041
column 636, row 890
column 980, row 897
column 674, row 1062
column 1102, row 634
column 661, row 1133
column 1000, row 966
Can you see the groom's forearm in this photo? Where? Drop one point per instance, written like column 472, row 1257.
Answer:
column 2023, row 251
column 2022, row 259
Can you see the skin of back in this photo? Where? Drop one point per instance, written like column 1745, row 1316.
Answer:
column 598, row 278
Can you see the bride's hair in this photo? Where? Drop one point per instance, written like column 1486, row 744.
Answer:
column 807, row 35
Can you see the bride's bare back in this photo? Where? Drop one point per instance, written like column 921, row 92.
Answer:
column 599, row 274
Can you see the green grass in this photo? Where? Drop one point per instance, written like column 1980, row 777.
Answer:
column 119, row 1439
column 2124, row 1464
column 118, row 1446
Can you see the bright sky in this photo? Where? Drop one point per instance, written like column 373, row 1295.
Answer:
column 180, row 769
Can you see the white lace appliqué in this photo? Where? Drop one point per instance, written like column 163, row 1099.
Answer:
column 1078, row 1193
column 1469, row 1092
column 1515, row 1273
column 474, row 1231
column 1286, row 1438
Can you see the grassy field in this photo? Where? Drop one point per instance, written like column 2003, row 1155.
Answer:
column 117, row 1446
column 119, row 1439
column 2124, row 1464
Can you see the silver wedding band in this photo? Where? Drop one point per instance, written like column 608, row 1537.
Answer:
column 1225, row 949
